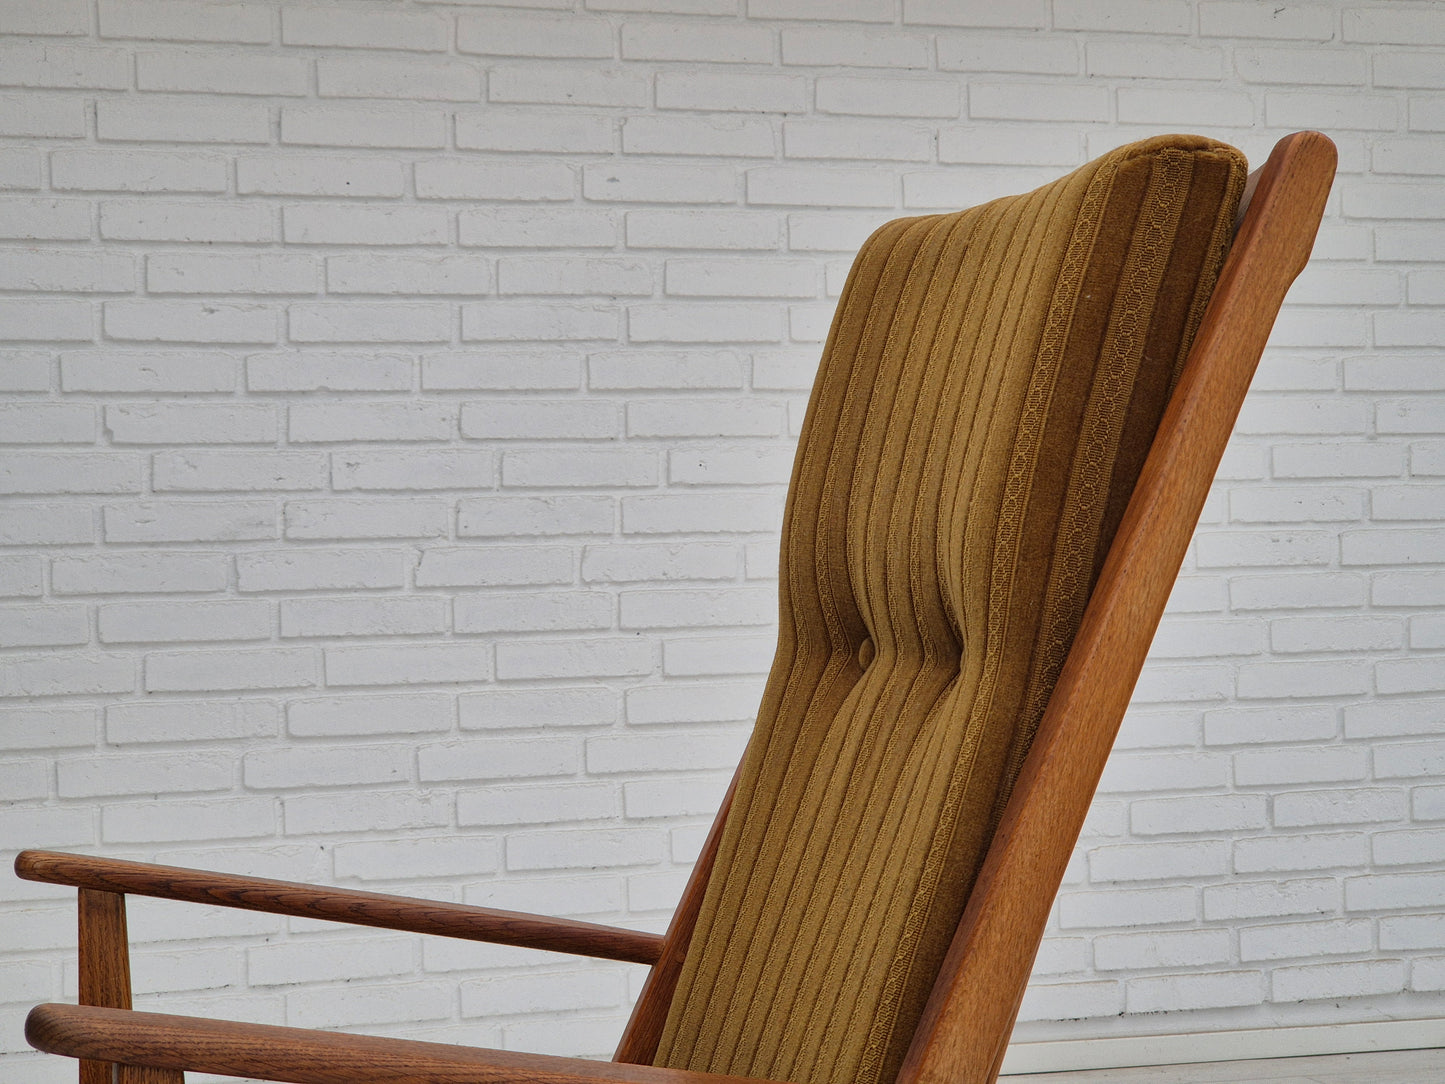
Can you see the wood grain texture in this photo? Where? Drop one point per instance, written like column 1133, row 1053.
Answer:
column 644, row 1026
column 104, row 962
column 314, row 1057
column 965, row 1028
column 109, row 875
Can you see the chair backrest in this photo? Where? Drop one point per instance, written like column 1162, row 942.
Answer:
column 989, row 392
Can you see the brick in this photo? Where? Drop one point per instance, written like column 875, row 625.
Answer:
column 1267, row 899
column 401, row 421
column 328, row 371
column 190, row 423
column 392, row 322
column 209, row 72
column 363, row 126
column 293, row 962
column 1036, row 101
column 47, row 423
column 320, row 569
column 52, row 625
column 506, row 227
column 57, row 17
column 730, row 92
column 1284, row 548
column 594, row 467
column 116, row 170
column 375, row 274
column 408, row 664
column 740, row 230
column 21, row 577
column 1380, row 546
column 491, row 566
column 173, row 521
column 548, row 803
column 559, row 515
column 164, row 220
column 297, row 175
column 1237, row 725
column 1415, row 675
column 216, row 273
column 1340, row 806
column 628, row 370
column 24, row 370
column 285, row 769
column 1161, row 948
column 1335, row 980
column 1151, row 60
column 45, row 524
column 1143, row 772
column 702, row 322
column 587, row 895
column 144, row 773
column 1071, row 1001
column 182, row 721
column 867, row 11
column 722, row 655
column 1341, row 111
column 45, row 116
column 856, row 139
column 1306, row 853
column 564, row 85
column 339, row 224
column 1324, row 764
column 562, row 990
column 703, row 42
column 677, row 608
column 1410, row 848
column 498, row 34
column 177, row 20
column 146, row 371
column 691, row 703
column 480, row 180
column 138, row 573
column 345, row 716
column 561, row 659
column 1308, row 66
column 1296, row 591
column 576, row 419
column 823, row 46
column 348, row 28
column 522, row 321
column 403, row 517
column 1394, row 719
column 643, row 562
column 558, row 133
column 1283, row 941
column 351, row 617
column 64, row 66
column 498, row 758
column 976, row 52
column 1127, row 907
column 215, row 472
column 374, row 77
column 252, row 668
column 1242, row 19
column 40, row 321
column 1201, row 107
column 1208, row 990
column 573, row 275
column 189, row 322
column 688, row 513
column 567, row 848
column 509, row 709
column 413, row 470
column 178, row 121
column 356, row 1005
column 218, row 818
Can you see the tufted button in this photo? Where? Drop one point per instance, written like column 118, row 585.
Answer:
column 865, row 653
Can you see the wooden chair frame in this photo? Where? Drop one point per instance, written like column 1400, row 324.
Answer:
column 965, row 1027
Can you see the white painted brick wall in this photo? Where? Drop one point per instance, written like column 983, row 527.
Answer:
column 399, row 398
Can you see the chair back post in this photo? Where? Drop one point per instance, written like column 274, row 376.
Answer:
column 104, row 963
column 965, row 1027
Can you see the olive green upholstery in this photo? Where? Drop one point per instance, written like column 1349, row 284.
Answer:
column 988, row 392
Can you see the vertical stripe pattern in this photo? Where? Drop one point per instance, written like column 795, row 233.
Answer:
column 988, row 390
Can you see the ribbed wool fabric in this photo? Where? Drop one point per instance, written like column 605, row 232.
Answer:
column 989, row 389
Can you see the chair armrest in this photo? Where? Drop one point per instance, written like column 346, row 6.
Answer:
column 341, row 905
column 300, row 1056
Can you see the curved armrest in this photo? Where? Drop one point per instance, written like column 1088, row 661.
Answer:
column 313, row 1057
column 340, row 905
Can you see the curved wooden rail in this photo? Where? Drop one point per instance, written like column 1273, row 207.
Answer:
column 341, row 905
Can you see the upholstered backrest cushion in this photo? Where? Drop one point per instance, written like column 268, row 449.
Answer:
column 988, row 392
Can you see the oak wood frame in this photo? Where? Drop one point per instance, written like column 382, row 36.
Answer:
column 964, row 1030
